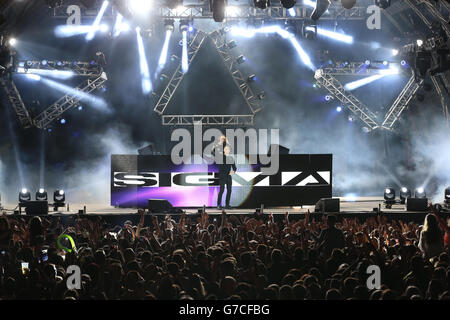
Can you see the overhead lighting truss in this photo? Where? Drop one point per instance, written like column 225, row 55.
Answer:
column 216, row 120
column 68, row 101
column 343, row 68
column 252, row 100
column 79, row 68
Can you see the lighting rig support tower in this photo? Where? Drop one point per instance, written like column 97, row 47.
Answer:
column 334, row 87
column 219, row 41
column 178, row 75
column 401, row 103
column 16, row 101
column 435, row 81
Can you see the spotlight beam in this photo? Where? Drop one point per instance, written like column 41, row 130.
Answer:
column 333, row 35
column 145, row 72
column 184, row 57
column 165, row 49
column 365, row 81
column 97, row 20
column 66, row 31
column 57, row 74
column 250, row 33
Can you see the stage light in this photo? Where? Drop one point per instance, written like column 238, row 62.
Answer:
column 327, row 97
column 231, row 44
column 97, row 20
column 419, row 42
column 334, row 35
column 24, row 195
column 41, row 195
column 288, row 3
column 320, row 8
column 365, row 130
column 261, row 95
column 241, row 59
column 394, row 52
column 57, row 74
column 385, row 63
column 348, row 4
column 309, row 31
column 44, row 62
column 367, row 62
column 232, row 11
column 80, row 108
column 404, row 194
column 252, row 78
column 389, row 195
column 59, row 196
column 339, row 109
column 184, row 54
column 12, row 42
column 53, row 3
column 120, row 26
column 169, row 26
column 145, row 71
column 63, row 121
column 351, row 118
column 94, row 101
column 261, row 4
column 218, row 10
column 403, row 63
column 383, row 3
column 420, row 193
column 140, row 7
column 292, row 12
column 447, row 195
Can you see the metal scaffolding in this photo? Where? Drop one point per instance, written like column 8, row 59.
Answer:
column 401, row 103
column 216, row 120
column 15, row 99
column 79, row 68
column 178, row 75
column 334, row 87
column 437, row 86
column 68, row 101
column 232, row 65
column 345, row 68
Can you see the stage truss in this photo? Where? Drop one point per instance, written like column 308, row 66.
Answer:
column 94, row 76
column 231, row 63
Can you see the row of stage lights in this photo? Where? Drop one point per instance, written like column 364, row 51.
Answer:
column 405, row 193
column 59, row 196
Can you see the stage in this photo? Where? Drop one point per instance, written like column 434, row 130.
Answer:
column 360, row 207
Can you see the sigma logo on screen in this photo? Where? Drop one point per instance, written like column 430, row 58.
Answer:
column 210, row 179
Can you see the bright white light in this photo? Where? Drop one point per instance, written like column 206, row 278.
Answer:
column 120, row 26
column 179, row 10
column 12, row 42
column 61, row 192
column 184, row 57
column 24, row 190
column 232, row 11
column 312, row 4
column 57, row 74
column 420, row 190
column 164, row 51
column 365, row 81
column 394, row 52
column 404, row 189
column 96, row 102
column 65, row 31
column 41, row 190
column 145, row 71
column 249, row 33
column 339, row 109
column 140, row 7
column 387, row 191
column 350, row 197
column 333, row 35
column 34, row 77
column 419, row 42
column 104, row 27
column 97, row 20
column 291, row 12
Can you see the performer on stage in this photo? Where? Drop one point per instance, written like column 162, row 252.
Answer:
column 226, row 169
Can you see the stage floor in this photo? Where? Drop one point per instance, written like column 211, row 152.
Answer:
column 351, row 206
